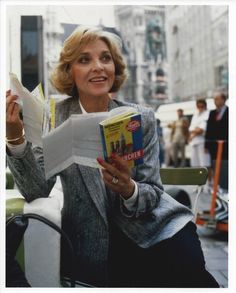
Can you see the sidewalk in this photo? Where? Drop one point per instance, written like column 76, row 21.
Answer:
column 214, row 245
column 215, row 249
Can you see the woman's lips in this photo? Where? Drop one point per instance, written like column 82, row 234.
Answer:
column 98, row 79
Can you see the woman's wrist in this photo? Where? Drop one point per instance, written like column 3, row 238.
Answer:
column 17, row 140
column 129, row 191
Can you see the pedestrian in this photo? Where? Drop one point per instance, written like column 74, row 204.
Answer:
column 126, row 231
column 179, row 137
column 197, row 128
column 161, row 143
column 218, row 129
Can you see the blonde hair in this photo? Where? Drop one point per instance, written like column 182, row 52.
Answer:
column 61, row 77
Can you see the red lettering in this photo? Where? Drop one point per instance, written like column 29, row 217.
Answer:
column 133, row 156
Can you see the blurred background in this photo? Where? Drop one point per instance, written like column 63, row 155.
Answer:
column 174, row 53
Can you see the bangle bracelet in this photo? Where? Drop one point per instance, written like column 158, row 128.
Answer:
column 15, row 139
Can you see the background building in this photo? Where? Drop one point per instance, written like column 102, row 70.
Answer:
column 142, row 28
column 197, row 38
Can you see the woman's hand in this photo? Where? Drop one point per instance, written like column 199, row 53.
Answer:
column 116, row 176
column 14, row 125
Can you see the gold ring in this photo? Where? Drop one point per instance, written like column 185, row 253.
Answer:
column 114, row 180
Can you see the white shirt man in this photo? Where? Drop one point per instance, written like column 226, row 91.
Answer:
column 199, row 158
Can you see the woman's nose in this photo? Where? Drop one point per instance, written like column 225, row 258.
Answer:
column 97, row 65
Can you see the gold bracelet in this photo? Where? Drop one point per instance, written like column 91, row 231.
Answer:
column 15, row 139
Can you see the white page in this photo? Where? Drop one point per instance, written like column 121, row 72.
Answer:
column 57, row 149
column 87, row 144
column 33, row 109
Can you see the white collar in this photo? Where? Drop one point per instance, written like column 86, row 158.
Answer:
column 82, row 108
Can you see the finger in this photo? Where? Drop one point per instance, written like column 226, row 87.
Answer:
column 8, row 92
column 120, row 163
column 16, row 110
column 122, row 183
column 12, row 110
column 11, row 100
column 112, row 186
column 107, row 177
column 111, row 169
column 12, row 115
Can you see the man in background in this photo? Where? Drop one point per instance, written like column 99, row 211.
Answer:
column 197, row 128
column 218, row 129
column 179, row 138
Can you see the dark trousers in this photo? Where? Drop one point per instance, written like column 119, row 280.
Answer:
column 175, row 262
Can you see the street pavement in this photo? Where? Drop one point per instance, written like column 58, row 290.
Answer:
column 214, row 243
column 215, row 249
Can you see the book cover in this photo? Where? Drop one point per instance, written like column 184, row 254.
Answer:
column 122, row 135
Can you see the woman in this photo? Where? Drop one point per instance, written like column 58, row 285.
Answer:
column 120, row 221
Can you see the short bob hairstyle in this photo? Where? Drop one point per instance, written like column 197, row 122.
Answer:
column 61, row 77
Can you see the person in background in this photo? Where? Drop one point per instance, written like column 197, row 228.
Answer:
column 179, row 138
column 197, row 128
column 168, row 161
column 218, row 129
column 161, row 143
column 126, row 231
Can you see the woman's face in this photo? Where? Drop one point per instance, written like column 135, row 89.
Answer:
column 94, row 70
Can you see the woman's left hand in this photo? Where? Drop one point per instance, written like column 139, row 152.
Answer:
column 116, row 176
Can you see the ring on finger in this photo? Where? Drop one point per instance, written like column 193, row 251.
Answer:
column 114, row 180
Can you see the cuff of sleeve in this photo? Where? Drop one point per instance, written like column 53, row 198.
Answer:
column 131, row 200
column 17, row 150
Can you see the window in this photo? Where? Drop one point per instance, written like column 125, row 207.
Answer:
column 31, row 51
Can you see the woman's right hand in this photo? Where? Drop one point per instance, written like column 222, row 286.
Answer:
column 14, row 125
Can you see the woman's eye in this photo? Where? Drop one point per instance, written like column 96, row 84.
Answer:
column 83, row 60
column 106, row 58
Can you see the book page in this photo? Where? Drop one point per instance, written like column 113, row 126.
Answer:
column 57, row 149
column 33, row 109
column 77, row 140
column 87, row 145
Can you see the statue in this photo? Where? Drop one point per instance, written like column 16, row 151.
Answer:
column 154, row 44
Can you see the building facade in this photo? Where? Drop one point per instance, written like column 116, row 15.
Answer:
column 142, row 28
column 197, row 38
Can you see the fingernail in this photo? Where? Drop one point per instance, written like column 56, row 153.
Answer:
column 113, row 155
column 100, row 160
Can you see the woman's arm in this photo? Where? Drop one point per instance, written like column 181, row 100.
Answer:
column 27, row 166
column 28, row 173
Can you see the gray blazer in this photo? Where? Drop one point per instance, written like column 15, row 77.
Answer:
column 87, row 203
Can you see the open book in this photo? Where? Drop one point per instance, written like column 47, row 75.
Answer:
column 82, row 138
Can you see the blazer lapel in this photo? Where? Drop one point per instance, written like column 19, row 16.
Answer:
column 91, row 177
